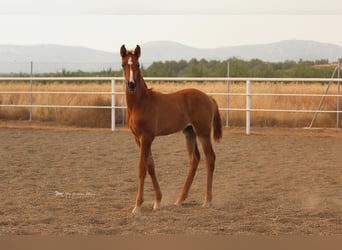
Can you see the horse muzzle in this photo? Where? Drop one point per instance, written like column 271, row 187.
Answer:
column 131, row 86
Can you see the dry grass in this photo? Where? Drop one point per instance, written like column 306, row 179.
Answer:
column 70, row 116
column 101, row 117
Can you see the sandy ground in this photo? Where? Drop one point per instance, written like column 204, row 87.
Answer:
column 60, row 181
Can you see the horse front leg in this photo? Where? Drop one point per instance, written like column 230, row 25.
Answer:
column 145, row 151
column 156, row 188
column 141, row 180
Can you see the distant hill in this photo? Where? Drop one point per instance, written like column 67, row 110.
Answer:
column 52, row 53
column 52, row 58
column 273, row 52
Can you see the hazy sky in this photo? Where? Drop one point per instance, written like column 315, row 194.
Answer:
column 106, row 24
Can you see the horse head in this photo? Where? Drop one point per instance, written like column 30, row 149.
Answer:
column 130, row 66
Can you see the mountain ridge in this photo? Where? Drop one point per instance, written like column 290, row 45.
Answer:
column 87, row 59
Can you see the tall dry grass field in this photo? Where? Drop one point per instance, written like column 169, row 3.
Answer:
column 68, row 116
column 101, row 117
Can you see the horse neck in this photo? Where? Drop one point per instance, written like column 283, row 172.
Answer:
column 140, row 93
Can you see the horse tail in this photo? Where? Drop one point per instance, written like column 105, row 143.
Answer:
column 217, row 123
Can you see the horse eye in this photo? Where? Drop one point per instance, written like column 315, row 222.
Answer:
column 123, row 65
column 138, row 65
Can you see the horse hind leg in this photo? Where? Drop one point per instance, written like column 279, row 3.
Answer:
column 210, row 166
column 194, row 158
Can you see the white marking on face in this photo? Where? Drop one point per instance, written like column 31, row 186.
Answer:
column 130, row 62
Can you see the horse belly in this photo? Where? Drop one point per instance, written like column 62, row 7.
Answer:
column 171, row 121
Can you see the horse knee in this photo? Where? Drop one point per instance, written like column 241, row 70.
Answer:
column 197, row 156
column 142, row 177
column 142, row 174
column 213, row 156
column 194, row 161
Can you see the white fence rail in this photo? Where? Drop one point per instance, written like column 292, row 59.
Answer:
column 113, row 93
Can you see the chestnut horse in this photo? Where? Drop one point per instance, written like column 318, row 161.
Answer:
column 151, row 114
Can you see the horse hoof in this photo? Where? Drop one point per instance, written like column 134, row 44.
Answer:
column 206, row 204
column 178, row 203
column 156, row 206
column 136, row 210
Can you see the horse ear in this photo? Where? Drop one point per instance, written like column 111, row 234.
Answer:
column 123, row 51
column 137, row 51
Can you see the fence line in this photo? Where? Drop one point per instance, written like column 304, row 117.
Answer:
column 113, row 93
column 185, row 79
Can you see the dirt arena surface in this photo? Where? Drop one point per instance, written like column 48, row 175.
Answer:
column 61, row 181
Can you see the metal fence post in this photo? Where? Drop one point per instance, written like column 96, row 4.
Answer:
column 248, row 107
column 228, row 92
column 113, row 104
column 123, row 116
column 338, row 95
column 31, row 74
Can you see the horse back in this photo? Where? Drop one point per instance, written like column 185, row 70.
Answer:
column 188, row 106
